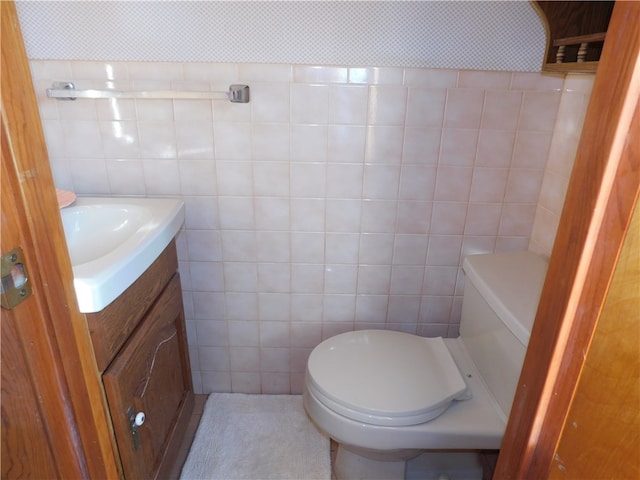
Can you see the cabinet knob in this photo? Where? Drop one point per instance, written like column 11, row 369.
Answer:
column 140, row 418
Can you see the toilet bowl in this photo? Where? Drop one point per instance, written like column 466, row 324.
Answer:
column 388, row 396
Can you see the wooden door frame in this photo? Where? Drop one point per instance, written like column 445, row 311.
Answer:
column 602, row 193
column 27, row 166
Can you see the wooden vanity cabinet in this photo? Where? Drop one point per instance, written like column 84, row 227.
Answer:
column 141, row 346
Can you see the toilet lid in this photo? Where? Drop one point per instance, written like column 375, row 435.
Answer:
column 383, row 377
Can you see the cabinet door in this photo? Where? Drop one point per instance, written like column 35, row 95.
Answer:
column 152, row 375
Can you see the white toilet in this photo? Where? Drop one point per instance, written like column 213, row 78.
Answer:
column 387, row 397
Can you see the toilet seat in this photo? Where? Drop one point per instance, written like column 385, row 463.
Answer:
column 379, row 383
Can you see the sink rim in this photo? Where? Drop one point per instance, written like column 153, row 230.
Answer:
column 100, row 281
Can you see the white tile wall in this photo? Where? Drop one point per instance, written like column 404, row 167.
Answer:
column 564, row 143
column 338, row 199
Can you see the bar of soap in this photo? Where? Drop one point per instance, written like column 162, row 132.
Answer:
column 65, row 197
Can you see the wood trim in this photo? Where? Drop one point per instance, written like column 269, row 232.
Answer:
column 571, row 67
column 570, row 24
column 35, row 189
column 593, row 37
column 602, row 193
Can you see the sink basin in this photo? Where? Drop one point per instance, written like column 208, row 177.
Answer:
column 112, row 241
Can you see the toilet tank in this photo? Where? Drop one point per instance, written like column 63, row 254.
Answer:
column 501, row 295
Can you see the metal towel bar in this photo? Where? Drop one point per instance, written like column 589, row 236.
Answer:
column 67, row 91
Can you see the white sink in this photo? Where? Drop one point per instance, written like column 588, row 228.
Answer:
column 112, row 241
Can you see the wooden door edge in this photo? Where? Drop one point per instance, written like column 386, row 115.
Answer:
column 602, row 192
column 70, row 333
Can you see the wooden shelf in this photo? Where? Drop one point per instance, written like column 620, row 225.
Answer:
column 571, row 67
column 593, row 37
column 576, row 33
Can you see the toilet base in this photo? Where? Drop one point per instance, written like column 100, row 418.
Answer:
column 352, row 465
column 443, row 464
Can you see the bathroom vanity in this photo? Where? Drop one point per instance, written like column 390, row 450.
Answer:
column 141, row 351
